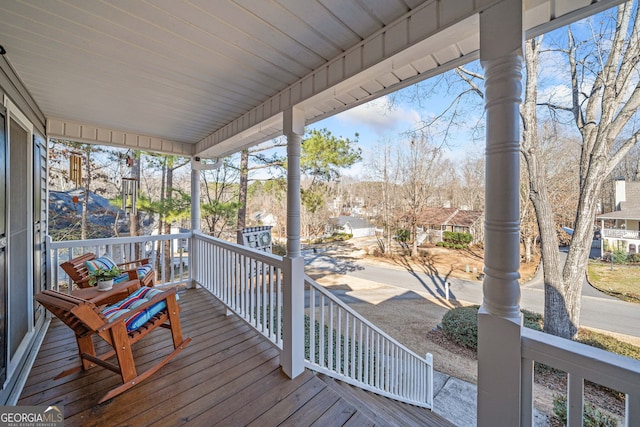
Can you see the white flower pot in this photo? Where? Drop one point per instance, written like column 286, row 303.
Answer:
column 104, row 285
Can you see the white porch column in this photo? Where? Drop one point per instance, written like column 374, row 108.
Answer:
column 292, row 357
column 499, row 319
column 195, row 199
column 195, row 221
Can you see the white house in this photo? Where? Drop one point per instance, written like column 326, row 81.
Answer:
column 356, row 226
column 623, row 231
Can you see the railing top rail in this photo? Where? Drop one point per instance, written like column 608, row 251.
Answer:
column 244, row 250
column 354, row 313
column 597, row 365
column 116, row 240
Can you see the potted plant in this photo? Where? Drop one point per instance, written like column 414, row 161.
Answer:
column 103, row 277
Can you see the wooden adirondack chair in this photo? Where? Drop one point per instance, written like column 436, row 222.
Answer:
column 87, row 321
column 78, row 271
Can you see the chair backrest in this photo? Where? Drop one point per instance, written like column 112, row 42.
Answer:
column 77, row 269
column 80, row 315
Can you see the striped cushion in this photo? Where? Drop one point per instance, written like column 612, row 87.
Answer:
column 143, row 270
column 134, row 300
column 103, row 262
column 121, row 278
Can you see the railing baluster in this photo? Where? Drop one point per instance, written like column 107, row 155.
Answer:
column 323, row 358
column 526, row 396
column 575, row 400
column 312, row 324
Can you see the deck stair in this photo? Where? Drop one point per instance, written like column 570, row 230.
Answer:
column 382, row 410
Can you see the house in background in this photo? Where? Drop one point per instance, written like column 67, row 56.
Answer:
column 435, row 220
column 356, row 226
column 103, row 219
column 620, row 229
column 264, row 218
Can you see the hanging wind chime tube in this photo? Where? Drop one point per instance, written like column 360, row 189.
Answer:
column 75, row 169
column 129, row 195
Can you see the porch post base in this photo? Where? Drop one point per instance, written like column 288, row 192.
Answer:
column 292, row 356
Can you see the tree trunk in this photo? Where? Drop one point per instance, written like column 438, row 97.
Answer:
column 556, row 312
column 161, row 219
column 528, row 242
column 85, row 200
column 242, row 193
column 168, row 255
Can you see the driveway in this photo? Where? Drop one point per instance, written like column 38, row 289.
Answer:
column 599, row 311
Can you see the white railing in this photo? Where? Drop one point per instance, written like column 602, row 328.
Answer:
column 344, row 345
column 341, row 343
column 581, row 362
column 621, row 234
column 167, row 253
column 247, row 281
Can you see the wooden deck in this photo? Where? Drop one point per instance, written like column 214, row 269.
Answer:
column 228, row 375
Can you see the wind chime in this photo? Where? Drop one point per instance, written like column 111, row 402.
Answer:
column 129, row 191
column 75, row 172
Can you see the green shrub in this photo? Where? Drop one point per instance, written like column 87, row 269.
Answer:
column 592, row 417
column 619, row 256
column 278, row 249
column 461, row 326
column 441, row 244
column 633, row 258
column 532, row 320
column 340, row 236
column 456, row 238
column 403, row 235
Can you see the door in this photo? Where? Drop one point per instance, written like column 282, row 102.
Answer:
column 19, row 220
column 20, row 250
column 39, row 212
column 3, row 246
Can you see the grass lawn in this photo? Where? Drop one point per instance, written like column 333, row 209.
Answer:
column 623, row 281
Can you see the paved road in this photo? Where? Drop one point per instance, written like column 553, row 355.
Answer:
column 598, row 310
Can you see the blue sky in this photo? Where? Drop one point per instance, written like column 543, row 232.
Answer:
column 391, row 119
column 381, row 120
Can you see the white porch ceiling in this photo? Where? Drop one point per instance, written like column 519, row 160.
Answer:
column 203, row 77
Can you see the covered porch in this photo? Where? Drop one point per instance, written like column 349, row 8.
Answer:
column 206, row 81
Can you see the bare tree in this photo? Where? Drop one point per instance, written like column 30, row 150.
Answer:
column 383, row 171
column 472, row 184
column 605, row 97
column 420, row 169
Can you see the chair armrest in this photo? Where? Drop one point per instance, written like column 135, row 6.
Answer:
column 133, row 273
column 135, row 262
column 84, row 283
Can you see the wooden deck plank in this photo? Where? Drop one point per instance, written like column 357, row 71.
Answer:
column 312, row 409
column 338, row 414
column 228, row 375
column 254, row 401
column 359, row 420
column 176, row 383
column 198, row 399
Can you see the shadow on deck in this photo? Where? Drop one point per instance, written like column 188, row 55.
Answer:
column 228, row 375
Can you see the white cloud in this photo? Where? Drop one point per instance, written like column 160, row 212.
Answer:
column 380, row 117
column 556, row 94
